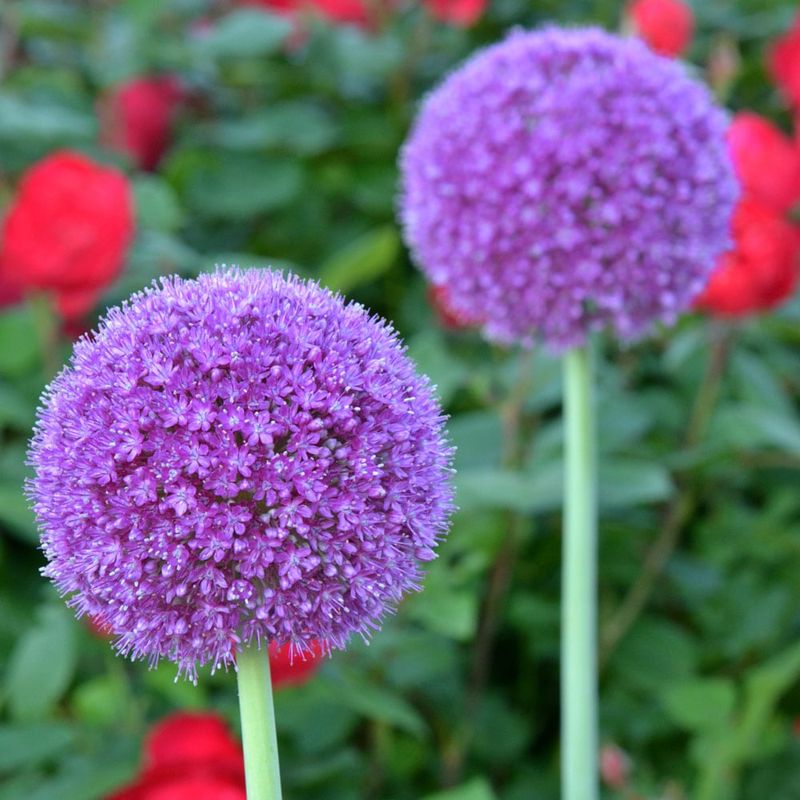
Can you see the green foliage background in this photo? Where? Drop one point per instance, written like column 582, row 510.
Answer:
column 289, row 158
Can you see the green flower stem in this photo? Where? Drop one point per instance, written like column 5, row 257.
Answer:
column 262, row 770
column 579, row 771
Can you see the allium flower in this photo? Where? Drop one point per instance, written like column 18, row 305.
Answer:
column 567, row 180
column 784, row 63
column 761, row 271
column 188, row 756
column 242, row 457
column 766, row 161
column 666, row 25
column 67, row 231
column 137, row 116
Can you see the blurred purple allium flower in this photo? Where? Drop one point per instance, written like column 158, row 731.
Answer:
column 238, row 457
column 567, row 180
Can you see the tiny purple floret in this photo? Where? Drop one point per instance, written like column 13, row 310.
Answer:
column 564, row 181
column 239, row 457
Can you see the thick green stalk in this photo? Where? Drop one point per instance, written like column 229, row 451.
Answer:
column 579, row 771
column 259, row 738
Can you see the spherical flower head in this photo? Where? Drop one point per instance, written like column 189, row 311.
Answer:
column 666, row 25
column 564, row 181
column 238, row 458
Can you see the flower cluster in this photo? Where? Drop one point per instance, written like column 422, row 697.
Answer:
column 136, row 118
column 188, row 756
column 241, row 457
column 762, row 269
column 551, row 187
column 666, row 25
column 67, row 231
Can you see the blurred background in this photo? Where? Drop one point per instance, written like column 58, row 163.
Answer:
column 140, row 138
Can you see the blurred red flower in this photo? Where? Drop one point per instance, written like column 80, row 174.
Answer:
column 761, row 271
column 783, row 61
column 67, row 230
column 343, row 11
column 766, row 161
column 615, row 766
column 461, row 13
column 449, row 317
column 666, row 25
column 289, row 668
column 188, row 756
column 136, row 118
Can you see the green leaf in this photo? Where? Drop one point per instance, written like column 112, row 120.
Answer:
column 28, row 745
column 245, row 33
column 361, row 261
column 103, row 700
column 656, row 654
column 747, row 426
column 375, row 702
column 19, row 340
column 15, row 513
column 297, row 126
column 238, row 186
column 429, row 352
column 702, row 704
column 156, row 204
column 42, row 122
column 445, row 610
column 631, row 483
column 42, row 664
column 477, row 789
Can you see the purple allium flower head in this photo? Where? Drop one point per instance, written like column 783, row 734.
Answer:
column 241, row 457
column 568, row 180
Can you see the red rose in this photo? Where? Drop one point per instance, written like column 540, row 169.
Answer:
column 766, row 161
column 186, row 737
column 68, row 230
column 189, row 756
column 136, row 118
column 355, row 12
column 783, row 61
column 462, row 13
column 288, row 668
column 449, row 316
column 666, row 25
column 762, row 269
column 204, row 785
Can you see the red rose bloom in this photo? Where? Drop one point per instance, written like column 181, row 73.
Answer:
column 762, row 269
column 189, row 756
column 289, row 668
column 449, row 317
column 136, row 118
column 186, row 737
column 461, row 13
column 666, row 25
column 341, row 11
column 767, row 162
column 783, row 61
column 67, row 231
